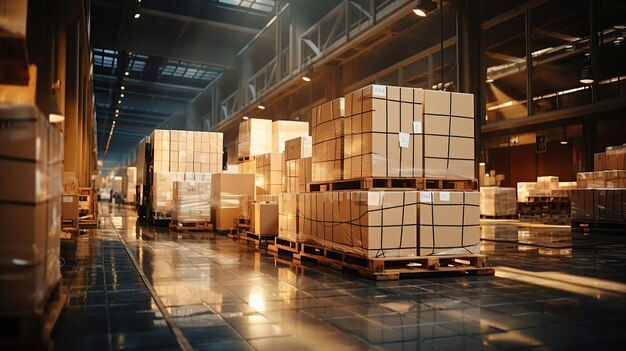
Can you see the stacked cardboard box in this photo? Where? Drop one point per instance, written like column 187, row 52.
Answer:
column 391, row 224
column 264, row 219
column 269, row 170
column 208, row 150
column 131, row 182
column 407, row 132
column 229, row 190
column 141, row 161
column 599, row 161
column 297, row 148
column 160, row 140
column 287, row 130
column 31, row 159
column 601, row 179
column 255, row 137
column 615, row 157
column 496, row 201
column 163, row 189
column 287, row 216
column 297, row 175
column 328, row 140
column 192, row 201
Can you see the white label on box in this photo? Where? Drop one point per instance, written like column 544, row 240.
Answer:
column 373, row 199
column 68, row 199
column 426, row 196
column 342, row 104
column 379, row 91
column 444, row 196
column 403, row 139
column 417, row 127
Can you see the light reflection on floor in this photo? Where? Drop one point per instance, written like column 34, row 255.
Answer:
column 551, row 290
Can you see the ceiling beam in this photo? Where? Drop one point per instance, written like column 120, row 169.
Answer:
column 198, row 20
column 128, row 82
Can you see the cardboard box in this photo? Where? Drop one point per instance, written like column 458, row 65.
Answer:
column 287, row 216
column 406, row 132
column 328, row 140
column 297, row 175
column 298, row 148
column 229, row 191
column 615, row 179
column 287, row 130
column 599, row 161
column 615, row 158
column 23, row 133
column 496, row 201
column 192, row 201
column 591, row 180
column 162, row 191
column 255, row 137
column 24, row 181
column 69, row 210
column 264, row 219
column 391, row 224
column 269, row 171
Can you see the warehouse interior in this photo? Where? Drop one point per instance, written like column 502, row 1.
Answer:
column 314, row 175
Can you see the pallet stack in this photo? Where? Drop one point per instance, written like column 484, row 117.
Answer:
column 402, row 187
column 599, row 202
column 545, row 201
column 177, row 156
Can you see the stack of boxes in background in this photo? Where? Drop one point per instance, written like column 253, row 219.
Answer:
column 269, row 173
column 31, row 159
column 230, row 192
column 600, row 196
column 287, row 130
column 131, row 183
column 498, row 202
column 178, row 156
column 298, row 171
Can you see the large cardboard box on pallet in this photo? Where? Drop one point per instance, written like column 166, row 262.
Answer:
column 406, row 132
column 264, row 220
column 287, row 130
column 161, row 148
column 591, row 180
column 269, row 173
column 496, row 201
column 376, row 224
column 297, row 148
column 192, row 201
column 328, row 140
column 255, row 137
column 229, row 191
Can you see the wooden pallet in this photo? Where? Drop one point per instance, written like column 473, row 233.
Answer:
column 500, row 217
column 246, row 159
column 88, row 223
column 284, row 246
column 394, row 268
column 31, row 330
column 191, row 227
column 597, row 226
column 258, row 241
column 393, row 183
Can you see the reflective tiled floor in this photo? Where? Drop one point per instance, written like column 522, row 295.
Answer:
column 552, row 290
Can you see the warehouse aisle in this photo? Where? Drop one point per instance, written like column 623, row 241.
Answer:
column 217, row 295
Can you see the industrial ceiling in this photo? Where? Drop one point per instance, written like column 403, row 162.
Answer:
column 152, row 57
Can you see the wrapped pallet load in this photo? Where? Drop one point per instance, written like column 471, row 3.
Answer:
column 498, row 202
column 192, row 201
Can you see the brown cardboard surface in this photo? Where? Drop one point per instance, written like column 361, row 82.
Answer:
column 287, row 130
column 229, row 189
column 300, row 147
column 265, row 218
column 599, row 161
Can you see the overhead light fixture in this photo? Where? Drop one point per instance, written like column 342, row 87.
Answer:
column 564, row 137
column 55, row 115
column 137, row 15
column 117, row 111
column 261, row 107
column 117, row 115
column 119, row 101
column 245, row 118
column 122, row 87
column 309, row 74
column 618, row 40
column 122, row 95
column 489, row 80
column 424, row 7
column 586, row 75
column 569, row 47
column 126, row 73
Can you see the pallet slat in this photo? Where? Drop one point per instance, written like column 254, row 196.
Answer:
column 386, row 183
